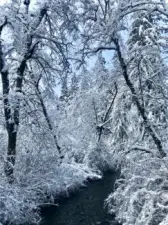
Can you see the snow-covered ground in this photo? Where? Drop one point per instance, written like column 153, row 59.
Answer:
column 19, row 202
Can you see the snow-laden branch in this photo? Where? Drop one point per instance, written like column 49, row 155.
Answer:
column 143, row 7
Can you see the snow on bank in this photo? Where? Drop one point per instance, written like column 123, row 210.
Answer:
column 18, row 202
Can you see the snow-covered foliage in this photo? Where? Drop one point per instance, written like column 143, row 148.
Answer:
column 84, row 127
column 66, row 117
column 37, row 163
column 20, row 202
column 39, row 180
column 141, row 194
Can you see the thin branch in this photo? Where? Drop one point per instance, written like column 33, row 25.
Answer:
column 101, row 48
column 101, row 127
column 139, row 149
column 3, row 25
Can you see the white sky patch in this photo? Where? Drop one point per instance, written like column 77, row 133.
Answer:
column 3, row 1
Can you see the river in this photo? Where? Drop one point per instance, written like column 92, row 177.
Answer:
column 86, row 207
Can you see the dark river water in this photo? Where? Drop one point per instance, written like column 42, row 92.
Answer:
column 86, row 207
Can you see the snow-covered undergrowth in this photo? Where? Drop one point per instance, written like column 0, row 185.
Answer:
column 141, row 195
column 38, row 177
column 38, row 182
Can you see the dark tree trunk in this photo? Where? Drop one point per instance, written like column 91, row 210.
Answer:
column 11, row 155
column 140, row 107
column 12, row 122
column 48, row 119
column 11, row 129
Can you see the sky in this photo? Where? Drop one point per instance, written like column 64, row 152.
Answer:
column 2, row 1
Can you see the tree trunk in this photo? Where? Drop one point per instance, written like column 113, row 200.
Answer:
column 12, row 116
column 48, row 120
column 140, row 107
column 11, row 154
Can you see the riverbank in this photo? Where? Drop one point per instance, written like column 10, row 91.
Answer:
column 84, row 207
column 20, row 201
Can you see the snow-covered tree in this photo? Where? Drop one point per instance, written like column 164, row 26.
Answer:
column 38, row 39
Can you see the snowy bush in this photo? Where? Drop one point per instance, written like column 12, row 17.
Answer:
column 100, row 157
column 39, row 179
column 18, row 205
column 20, row 201
column 141, row 195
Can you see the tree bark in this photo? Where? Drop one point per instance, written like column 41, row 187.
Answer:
column 11, row 154
column 11, row 131
column 10, row 127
